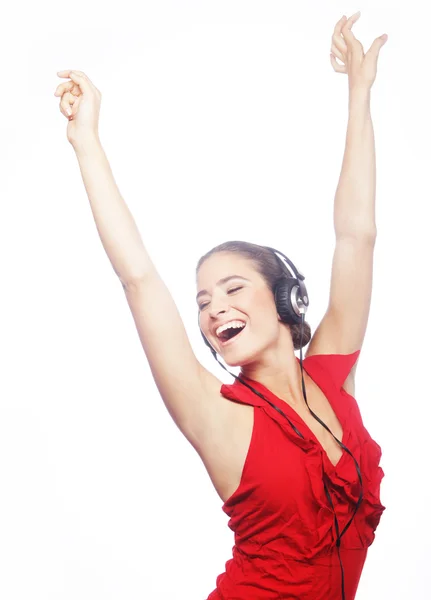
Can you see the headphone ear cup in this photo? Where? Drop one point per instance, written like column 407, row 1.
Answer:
column 286, row 300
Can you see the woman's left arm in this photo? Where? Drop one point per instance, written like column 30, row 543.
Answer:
column 342, row 329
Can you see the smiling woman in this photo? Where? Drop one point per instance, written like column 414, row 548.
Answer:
column 285, row 445
column 265, row 342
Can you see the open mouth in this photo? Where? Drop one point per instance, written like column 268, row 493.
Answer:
column 230, row 334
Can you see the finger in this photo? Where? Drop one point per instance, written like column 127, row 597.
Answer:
column 339, row 43
column 339, row 25
column 376, row 45
column 347, row 29
column 66, row 73
column 66, row 104
column 337, row 67
column 79, row 78
column 67, row 86
column 337, row 38
column 340, row 55
column 352, row 20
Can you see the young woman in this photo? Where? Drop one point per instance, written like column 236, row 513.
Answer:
column 284, row 445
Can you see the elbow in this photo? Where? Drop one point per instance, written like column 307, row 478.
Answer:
column 363, row 234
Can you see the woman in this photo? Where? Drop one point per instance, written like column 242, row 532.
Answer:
column 284, row 445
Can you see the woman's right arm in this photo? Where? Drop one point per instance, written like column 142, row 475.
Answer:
column 115, row 224
column 190, row 392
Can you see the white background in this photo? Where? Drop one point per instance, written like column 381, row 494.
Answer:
column 221, row 120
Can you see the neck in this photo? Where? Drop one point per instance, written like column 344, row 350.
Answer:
column 281, row 376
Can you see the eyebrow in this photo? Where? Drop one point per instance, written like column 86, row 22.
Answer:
column 221, row 281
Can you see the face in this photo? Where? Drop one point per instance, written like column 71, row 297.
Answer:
column 231, row 289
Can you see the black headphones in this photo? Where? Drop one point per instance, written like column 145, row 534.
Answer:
column 291, row 300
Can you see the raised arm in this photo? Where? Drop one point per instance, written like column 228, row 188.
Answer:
column 343, row 327
column 187, row 389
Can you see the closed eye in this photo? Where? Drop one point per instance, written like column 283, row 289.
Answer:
column 204, row 304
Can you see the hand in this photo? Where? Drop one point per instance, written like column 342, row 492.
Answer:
column 360, row 68
column 80, row 104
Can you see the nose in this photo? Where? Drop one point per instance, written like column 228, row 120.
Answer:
column 216, row 311
column 217, row 306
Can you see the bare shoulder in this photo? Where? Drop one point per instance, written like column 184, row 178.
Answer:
column 223, row 447
column 224, row 415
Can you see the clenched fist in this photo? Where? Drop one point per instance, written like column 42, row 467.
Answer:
column 80, row 104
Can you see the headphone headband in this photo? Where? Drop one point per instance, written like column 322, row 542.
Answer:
column 293, row 270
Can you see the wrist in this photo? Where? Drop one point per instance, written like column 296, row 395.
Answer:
column 359, row 99
column 86, row 144
column 359, row 94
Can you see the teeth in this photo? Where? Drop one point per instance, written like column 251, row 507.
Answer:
column 233, row 324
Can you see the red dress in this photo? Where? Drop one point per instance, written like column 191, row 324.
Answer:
column 283, row 523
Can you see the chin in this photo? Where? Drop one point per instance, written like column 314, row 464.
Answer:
column 239, row 359
column 234, row 363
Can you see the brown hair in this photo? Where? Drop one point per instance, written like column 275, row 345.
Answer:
column 271, row 270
